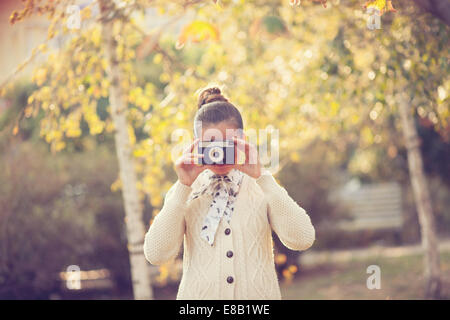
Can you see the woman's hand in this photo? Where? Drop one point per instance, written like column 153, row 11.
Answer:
column 251, row 165
column 186, row 166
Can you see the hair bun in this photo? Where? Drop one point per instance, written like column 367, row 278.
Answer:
column 210, row 95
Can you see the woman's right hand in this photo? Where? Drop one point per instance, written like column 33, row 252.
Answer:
column 186, row 167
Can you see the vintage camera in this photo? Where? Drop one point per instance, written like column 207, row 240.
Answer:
column 216, row 152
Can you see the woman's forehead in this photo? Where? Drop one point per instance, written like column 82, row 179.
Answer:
column 220, row 131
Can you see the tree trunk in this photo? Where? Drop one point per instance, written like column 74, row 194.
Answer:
column 422, row 199
column 133, row 209
column 438, row 8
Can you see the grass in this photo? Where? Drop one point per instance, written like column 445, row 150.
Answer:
column 401, row 278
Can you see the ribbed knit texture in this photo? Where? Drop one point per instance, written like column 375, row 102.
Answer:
column 262, row 204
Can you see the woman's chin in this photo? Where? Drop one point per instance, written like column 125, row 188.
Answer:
column 221, row 169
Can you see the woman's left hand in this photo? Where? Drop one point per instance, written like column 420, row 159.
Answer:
column 251, row 165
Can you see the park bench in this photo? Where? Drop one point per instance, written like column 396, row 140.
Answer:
column 371, row 206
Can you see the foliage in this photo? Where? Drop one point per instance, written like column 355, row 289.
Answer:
column 317, row 75
column 58, row 211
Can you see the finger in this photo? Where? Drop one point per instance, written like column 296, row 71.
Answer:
column 250, row 151
column 245, row 147
column 240, row 149
column 187, row 149
column 194, row 147
column 193, row 155
column 195, row 144
column 240, row 143
column 196, row 156
column 190, row 147
column 190, row 158
column 188, row 161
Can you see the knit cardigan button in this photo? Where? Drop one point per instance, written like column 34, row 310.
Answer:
column 227, row 231
column 229, row 253
column 230, row 279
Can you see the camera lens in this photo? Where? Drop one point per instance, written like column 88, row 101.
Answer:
column 216, row 154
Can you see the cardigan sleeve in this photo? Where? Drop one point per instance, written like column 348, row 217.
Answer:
column 289, row 221
column 165, row 235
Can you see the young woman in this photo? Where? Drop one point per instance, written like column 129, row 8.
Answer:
column 224, row 215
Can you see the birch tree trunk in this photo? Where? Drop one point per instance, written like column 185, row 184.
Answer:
column 422, row 199
column 133, row 209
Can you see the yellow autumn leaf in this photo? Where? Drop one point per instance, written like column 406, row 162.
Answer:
column 139, row 153
column 86, row 13
column 381, row 5
column 378, row 4
column 131, row 135
column 58, row 145
column 280, row 258
column 40, row 76
column 157, row 58
column 16, row 129
column 197, row 31
column 293, row 268
column 295, row 157
column 116, row 185
column 157, row 201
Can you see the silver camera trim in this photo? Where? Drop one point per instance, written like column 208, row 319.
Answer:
column 213, row 150
column 215, row 145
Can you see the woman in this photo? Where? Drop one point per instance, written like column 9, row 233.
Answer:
column 224, row 214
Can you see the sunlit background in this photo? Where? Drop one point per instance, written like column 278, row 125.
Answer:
column 332, row 87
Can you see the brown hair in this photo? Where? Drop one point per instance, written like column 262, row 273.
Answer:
column 213, row 107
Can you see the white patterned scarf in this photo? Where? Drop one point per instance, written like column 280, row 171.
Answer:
column 224, row 190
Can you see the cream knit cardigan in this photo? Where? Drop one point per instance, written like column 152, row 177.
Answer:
column 261, row 205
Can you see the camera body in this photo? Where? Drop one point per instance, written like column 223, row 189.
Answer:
column 217, row 152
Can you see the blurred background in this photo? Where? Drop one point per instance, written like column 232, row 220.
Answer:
column 93, row 93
